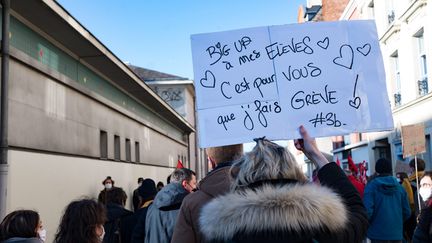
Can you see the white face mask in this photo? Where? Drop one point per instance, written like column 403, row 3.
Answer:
column 425, row 193
column 101, row 237
column 398, row 179
column 42, row 234
column 139, row 184
column 108, row 186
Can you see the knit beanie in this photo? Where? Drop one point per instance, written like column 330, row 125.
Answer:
column 383, row 166
column 147, row 190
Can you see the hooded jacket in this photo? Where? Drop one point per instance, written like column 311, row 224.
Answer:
column 162, row 214
column 387, row 206
column 288, row 212
column 216, row 183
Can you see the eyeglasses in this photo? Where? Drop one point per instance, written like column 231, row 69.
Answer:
column 426, row 185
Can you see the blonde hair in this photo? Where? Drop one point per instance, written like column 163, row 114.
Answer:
column 266, row 161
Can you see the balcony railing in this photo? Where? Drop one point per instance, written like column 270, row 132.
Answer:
column 397, row 99
column 422, row 87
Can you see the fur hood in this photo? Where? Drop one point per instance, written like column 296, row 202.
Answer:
column 294, row 207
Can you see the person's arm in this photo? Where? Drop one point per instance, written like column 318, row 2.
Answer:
column 309, row 147
column 183, row 230
column 333, row 177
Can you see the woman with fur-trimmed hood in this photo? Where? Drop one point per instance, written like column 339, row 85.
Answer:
column 271, row 201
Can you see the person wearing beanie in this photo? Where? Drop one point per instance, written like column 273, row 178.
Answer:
column 387, row 205
column 146, row 192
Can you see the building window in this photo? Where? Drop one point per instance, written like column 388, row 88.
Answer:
column 116, row 147
column 421, row 57
column 128, row 149
column 347, row 139
column 137, row 152
column 397, row 80
column 103, row 142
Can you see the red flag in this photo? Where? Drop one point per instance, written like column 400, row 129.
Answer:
column 352, row 166
column 338, row 162
column 179, row 164
column 363, row 177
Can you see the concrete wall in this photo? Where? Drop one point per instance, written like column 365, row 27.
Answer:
column 47, row 182
column 50, row 115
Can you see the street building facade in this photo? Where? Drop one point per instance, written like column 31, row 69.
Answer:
column 179, row 93
column 76, row 114
column 403, row 28
column 404, row 33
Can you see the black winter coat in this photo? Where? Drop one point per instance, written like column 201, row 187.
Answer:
column 138, row 234
column 423, row 231
column 289, row 212
column 118, row 225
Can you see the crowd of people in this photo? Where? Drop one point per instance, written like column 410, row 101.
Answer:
column 260, row 196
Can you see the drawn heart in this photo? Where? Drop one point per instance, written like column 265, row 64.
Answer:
column 355, row 103
column 365, row 49
column 324, row 43
column 209, row 80
column 346, row 57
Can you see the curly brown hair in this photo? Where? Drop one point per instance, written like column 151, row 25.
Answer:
column 79, row 222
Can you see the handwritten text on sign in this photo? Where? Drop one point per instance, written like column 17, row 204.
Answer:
column 267, row 81
column 413, row 140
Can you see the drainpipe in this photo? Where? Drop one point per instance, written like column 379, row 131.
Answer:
column 4, row 106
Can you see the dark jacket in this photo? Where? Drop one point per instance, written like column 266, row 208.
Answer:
column 388, row 208
column 423, row 231
column 288, row 212
column 135, row 200
column 118, row 226
column 102, row 197
column 138, row 234
column 216, row 183
column 162, row 214
column 23, row 240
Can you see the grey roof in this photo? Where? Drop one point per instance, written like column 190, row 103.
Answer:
column 312, row 11
column 151, row 75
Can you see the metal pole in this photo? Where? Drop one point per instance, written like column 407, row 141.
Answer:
column 4, row 106
column 417, row 182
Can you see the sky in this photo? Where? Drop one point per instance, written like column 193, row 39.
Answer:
column 155, row 34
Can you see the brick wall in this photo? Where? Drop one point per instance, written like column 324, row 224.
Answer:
column 332, row 9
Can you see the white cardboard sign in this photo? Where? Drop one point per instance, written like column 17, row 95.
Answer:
column 267, row 81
